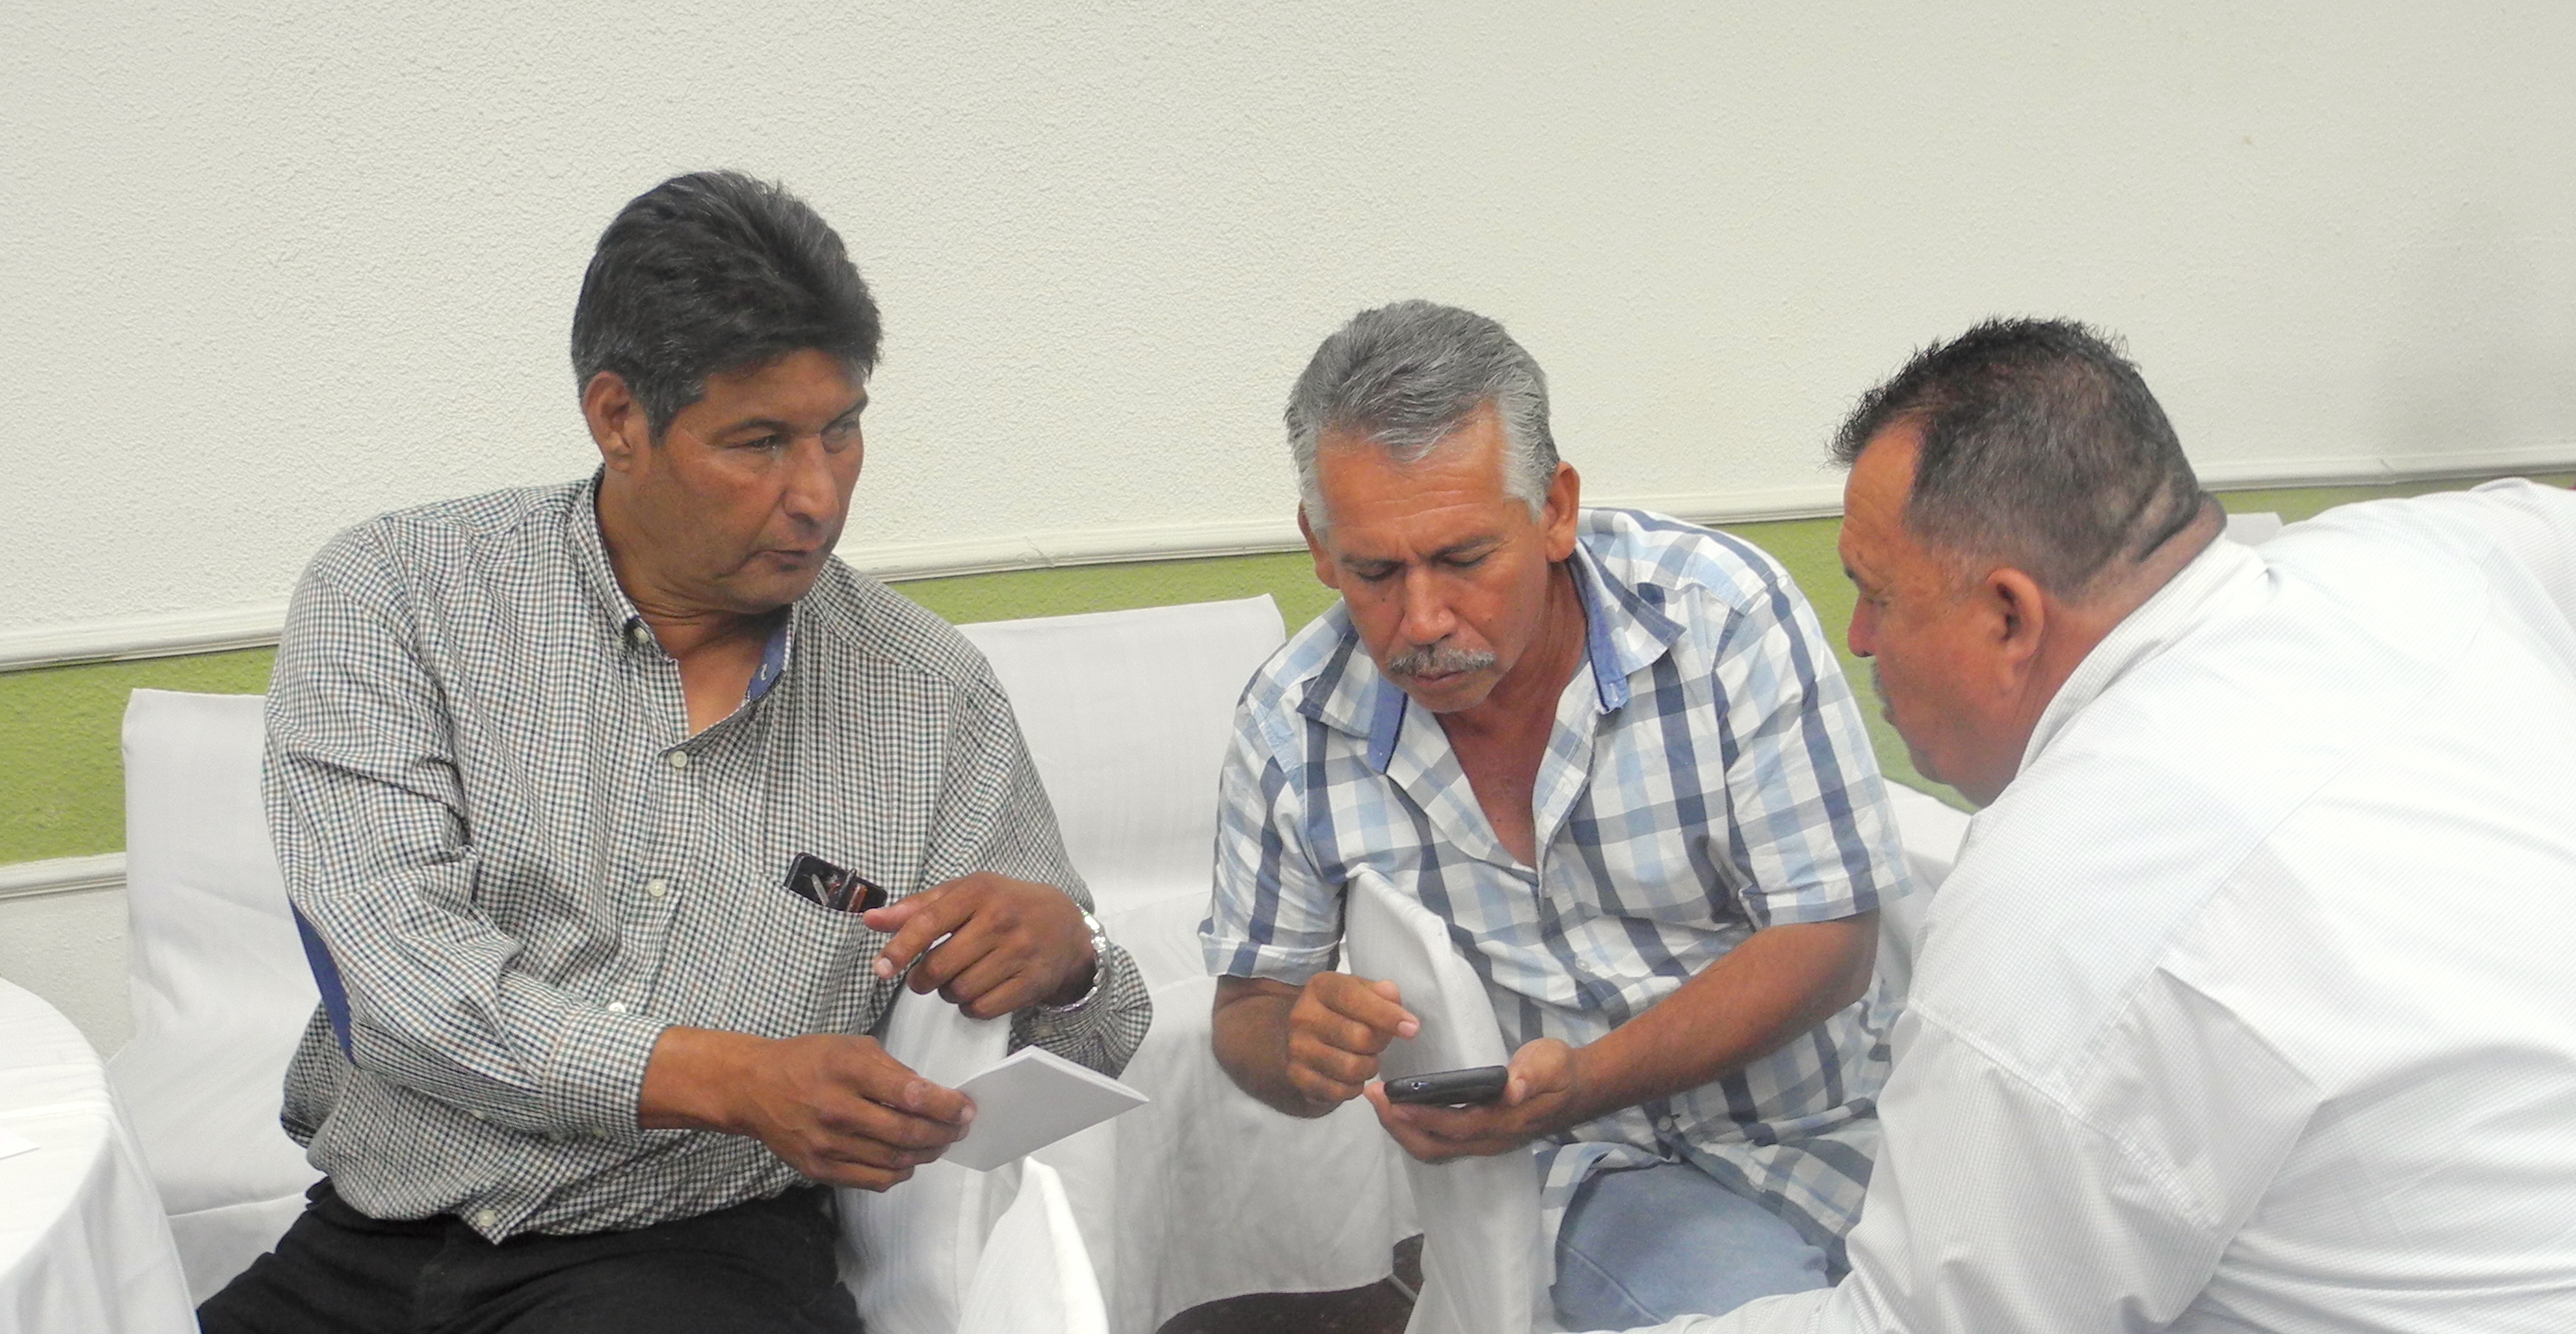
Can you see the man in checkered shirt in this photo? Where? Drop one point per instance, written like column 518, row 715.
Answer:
column 1614, row 753
column 583, row 794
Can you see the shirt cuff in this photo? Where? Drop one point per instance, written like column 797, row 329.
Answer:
column 593, row 1082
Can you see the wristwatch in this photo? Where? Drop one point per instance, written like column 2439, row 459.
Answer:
column 1099, row 965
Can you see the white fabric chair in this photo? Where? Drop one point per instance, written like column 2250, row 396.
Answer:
column 219, row 982
column 1035, row 1277
column 910, row 1252
column 1931, row 834
column 1205, row 1193
column 1483, row 1265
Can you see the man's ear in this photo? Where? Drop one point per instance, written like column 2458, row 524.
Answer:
column 2021, row 623
column 1562, row 511
column 617, row 421
column 1326, row 573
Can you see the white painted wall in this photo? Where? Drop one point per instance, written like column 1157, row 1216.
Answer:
column 270, row 268
column 70, row 949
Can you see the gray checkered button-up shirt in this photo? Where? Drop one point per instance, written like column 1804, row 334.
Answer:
column 1708, row 775
column 516, row 867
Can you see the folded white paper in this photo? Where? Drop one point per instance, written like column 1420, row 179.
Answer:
column 12, row 1143
column 1030, row 1100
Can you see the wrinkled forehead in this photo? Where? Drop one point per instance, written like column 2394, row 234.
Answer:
column 1455, row 493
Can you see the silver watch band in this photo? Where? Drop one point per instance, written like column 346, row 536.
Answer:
column 1099, row 966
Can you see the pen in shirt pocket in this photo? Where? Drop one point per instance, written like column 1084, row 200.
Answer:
column 831, row 887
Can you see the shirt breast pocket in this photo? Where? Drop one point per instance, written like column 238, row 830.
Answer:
column 799, row 967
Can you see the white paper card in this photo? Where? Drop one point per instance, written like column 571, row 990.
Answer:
column 1030, row 1100
column 12, row 1143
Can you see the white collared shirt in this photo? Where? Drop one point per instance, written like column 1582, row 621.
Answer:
column 2251, row 1004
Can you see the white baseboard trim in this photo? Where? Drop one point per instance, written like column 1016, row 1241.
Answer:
column 62, row 875
column 170, row 635
column 167, row 635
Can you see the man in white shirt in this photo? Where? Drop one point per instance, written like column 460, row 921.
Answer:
column 2251, row 1001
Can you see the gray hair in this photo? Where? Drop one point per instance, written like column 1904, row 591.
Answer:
column 1404, row 376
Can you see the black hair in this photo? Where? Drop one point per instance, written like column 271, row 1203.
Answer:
column 2041, row 447
column 715, row 271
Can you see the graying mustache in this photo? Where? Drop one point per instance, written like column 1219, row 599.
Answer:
column 1436, row 660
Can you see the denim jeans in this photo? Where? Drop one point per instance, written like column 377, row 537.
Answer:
column 1642, row 1246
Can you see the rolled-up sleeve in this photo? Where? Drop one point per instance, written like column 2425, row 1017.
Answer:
column 367, row 816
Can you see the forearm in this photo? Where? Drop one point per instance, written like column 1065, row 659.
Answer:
column 693, row 1076
column 1780, row 982
column 1251, row 1037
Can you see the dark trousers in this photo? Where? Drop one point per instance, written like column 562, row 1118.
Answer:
column 767, row 1266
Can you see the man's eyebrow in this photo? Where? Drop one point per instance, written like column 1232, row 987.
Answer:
column 756, row 424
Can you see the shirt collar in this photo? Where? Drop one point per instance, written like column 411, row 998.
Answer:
column 1624, row 631
column 2218, row 570
column 590, row 554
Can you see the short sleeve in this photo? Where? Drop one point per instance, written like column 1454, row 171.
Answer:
column 1812, row 832
column 1271, row 913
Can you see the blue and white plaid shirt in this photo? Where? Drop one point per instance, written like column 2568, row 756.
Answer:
column 1709, row 775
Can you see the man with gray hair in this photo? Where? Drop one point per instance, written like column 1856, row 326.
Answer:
column 1614, row 753
column 2246, row 1006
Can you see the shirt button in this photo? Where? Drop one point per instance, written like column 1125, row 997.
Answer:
column 641, row 633
column 657, row 888
column 476, row 1115
column 679, row 759
column 487, row 1219
column 617, row 1007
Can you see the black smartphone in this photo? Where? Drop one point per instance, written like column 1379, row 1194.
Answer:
column 1451, row 1088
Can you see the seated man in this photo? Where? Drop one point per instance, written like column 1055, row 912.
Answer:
column 2247, row 1006
column 1614, row 752
column 582, row 794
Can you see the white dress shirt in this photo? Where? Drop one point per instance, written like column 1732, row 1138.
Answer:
column 2251, row 1003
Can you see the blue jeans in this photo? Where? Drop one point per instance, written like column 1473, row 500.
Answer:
column 1641, row 1246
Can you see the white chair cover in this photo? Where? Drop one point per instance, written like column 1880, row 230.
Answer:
column 220, row 985
column 1931, row 834
column 1035, row 1277
column 1205, row 1193
column 910, row 1253
column 1484, row 1268
column 1127, row 715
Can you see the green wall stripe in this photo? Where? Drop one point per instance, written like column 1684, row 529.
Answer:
column 62, row 787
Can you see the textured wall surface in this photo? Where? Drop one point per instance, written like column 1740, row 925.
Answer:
column 272, row 268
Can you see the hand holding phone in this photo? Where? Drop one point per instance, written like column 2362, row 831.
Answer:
column 1451, row 1088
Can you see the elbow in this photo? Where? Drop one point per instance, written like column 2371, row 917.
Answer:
column 1860, row 962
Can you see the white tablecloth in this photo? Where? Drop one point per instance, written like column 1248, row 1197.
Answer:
column 83, row 1244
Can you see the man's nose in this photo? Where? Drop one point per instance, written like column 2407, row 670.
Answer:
column 1427, row 617
column 1863, row 634
column 812, row 491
